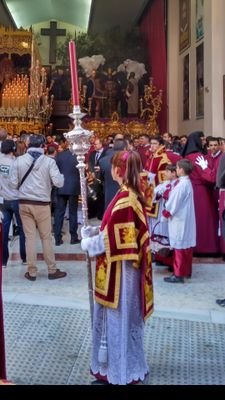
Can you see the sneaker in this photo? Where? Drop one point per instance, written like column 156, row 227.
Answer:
column 4, row 266
column 220, row 302
column 24, row 262
column 57, row 274
column 29, row 277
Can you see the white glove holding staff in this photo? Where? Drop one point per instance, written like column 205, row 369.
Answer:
column 85, row 243
column 201, row 162
column 89, row 231
column 151, row 177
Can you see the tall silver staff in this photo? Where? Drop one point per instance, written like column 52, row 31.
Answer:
column 78, row 139
column 79, row 143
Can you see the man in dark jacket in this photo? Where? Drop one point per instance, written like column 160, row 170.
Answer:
column 70, row 191
column 93, row 165
column 110, row 186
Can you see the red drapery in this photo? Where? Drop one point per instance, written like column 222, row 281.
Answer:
column 2, row 343
column 152, row 26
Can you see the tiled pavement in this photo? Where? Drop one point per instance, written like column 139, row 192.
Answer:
column 48, row 335
column 49, row 345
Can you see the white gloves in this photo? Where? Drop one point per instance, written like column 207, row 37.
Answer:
column 151, row 177
column 89, row 231
column 85, row 244
column 94, row 245
column 201, row 162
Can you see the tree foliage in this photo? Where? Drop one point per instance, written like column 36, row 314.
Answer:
column 114, row 45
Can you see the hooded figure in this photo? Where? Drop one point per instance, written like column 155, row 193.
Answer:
column 207, row 242
column 194, row 144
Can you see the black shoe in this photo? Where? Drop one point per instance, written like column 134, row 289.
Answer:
column 29, row 277
column 99, row 382
column 15, row 230
column 58, row 242
column 174, row 279
column 57, row 274
column 220, row 302
column 74, row 241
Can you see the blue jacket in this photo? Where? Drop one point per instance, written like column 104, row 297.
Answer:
column 67, row 163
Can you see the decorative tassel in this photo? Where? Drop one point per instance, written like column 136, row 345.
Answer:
column 103, row 349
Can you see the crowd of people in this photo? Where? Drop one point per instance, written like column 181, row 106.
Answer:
column 159, row 197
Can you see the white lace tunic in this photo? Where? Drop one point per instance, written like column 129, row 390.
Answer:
column 124, row 333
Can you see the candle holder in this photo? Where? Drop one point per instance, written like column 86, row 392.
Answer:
column 78, row 139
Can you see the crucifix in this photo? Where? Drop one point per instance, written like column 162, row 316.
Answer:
column 53, row 32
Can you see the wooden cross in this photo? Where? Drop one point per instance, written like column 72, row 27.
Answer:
column 53, row 32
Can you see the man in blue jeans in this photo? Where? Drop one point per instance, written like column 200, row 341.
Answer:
column 34, row 174
column 68, row 193
column 9, row 200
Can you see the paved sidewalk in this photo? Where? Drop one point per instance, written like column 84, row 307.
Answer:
column 51, row 346
column 48, row 334
column 194, row 300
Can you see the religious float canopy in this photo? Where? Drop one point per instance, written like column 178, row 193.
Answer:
column 25, row 102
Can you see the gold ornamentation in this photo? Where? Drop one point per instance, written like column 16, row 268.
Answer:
column 125, row 235
column 128, row 235
column 151, row 106
column 15, row 127
column 16, row 41
column 101, row 276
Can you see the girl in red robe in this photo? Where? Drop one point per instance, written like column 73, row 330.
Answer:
column 123, row 279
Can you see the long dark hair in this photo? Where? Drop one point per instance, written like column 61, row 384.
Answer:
column 130, row 167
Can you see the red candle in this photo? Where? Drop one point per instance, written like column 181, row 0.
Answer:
column 74, row 74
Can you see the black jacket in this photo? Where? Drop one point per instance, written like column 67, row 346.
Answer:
column 111, row 187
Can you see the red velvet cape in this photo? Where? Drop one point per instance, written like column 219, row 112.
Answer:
column 126, row 238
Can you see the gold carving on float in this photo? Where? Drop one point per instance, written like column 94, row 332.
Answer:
column 18, row 41
column 115, row 125
column 150, row 106
column 14, row 128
